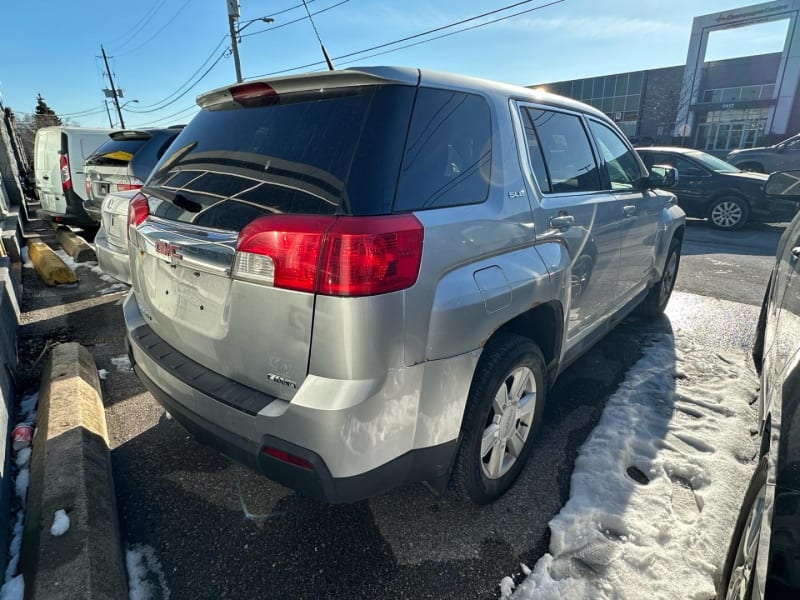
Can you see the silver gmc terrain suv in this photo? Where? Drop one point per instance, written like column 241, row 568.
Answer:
column 358, row 279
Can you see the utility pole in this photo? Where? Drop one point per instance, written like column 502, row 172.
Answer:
column 108, row 112
column 233, row 14
column 114, row 93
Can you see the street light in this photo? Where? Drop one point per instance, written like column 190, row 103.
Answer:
column 235, row 31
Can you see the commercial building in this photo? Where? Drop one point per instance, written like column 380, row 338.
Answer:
column 712, row 105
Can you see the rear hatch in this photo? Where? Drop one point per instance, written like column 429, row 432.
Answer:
column 263, row 166
column 109, row 168
column 114, row 218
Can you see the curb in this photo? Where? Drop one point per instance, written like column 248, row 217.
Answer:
column 75, row 246
column 48, row 265
column 71, row 470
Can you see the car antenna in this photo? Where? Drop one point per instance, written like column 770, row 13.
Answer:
column 324, row 52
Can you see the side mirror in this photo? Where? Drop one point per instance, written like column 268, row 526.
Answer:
column 663, row 176
column 785, row 184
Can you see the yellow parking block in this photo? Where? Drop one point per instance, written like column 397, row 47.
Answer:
column 48, row 265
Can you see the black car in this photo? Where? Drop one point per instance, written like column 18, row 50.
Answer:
column 763, row 560
column 709, row 188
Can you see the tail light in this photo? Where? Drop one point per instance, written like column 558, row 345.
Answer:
column 88, row 187
column 138, row 211
column 132, row 184
column 334, row 256
column 66, row 178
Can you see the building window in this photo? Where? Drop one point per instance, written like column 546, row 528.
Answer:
column 730, row 129
column 739, row 94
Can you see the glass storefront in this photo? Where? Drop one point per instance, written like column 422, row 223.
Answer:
column 731, row 129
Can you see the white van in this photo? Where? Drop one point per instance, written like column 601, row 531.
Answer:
column 59, row 154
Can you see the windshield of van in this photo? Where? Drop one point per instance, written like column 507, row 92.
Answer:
column 712, row 162
column 332, row 151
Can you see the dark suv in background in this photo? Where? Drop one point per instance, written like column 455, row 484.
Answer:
column 123, row 163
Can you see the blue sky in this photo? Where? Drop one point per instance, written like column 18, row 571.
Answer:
column 159, row 49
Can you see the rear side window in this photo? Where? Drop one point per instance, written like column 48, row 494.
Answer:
column 332, row 151
column 115, row 153
column 448, row 155
column 560, row 153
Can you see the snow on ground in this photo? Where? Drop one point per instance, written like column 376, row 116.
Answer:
column 14, row 589
column 60, row 524
column 26, row 261
column 102, row 373
column 122, row 363
column 657, row 484
column 146, row 580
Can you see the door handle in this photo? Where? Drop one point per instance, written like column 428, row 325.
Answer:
column 45, row 177
column 795, row 252
column 629, row 211
column 562, row 222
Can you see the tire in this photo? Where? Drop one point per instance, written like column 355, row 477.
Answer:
column 728, row 213
column 498, row 426
column 751, row 166
column 658, row 297
column 736, row 580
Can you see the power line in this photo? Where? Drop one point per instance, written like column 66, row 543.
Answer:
column 148, row 16
column 160, row 103
column 314, row 14
column 156, row 34
column 174, row 100
column 169, row 117
column 421, row 34
column 444, row 35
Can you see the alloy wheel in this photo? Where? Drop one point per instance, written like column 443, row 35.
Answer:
column 669, row 276
column 509, row 423
column 726, row 214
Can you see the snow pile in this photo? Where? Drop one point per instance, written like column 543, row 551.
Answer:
column 102, row 373
column 146, row 580
column 14, row 585
column 656, row 482
column 60, row 524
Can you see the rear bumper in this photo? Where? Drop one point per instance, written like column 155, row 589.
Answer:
column 112, row 259
column 356, row 452
column 73, row 215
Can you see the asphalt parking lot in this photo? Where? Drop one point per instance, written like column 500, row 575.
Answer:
column 213, row 529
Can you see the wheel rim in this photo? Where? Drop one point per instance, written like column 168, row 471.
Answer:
column 668, row 279
column 509, row 423
column 726, row 214
column 742, row 573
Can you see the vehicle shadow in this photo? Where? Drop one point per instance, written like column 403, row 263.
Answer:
column 258, row 538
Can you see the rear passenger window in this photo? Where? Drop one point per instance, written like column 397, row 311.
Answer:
column 448, row 154
column 560, row 154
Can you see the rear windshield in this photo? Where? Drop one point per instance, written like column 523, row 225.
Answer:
column 116, row 153
column 324, row 152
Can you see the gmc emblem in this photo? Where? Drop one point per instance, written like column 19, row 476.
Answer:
column 170, row 250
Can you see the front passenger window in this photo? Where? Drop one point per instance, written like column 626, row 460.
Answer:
column 623, row 169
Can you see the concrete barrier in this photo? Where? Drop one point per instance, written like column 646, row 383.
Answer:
column 71, row 470
column 48, row 265
column 75, row 246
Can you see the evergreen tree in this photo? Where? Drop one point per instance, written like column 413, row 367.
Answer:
column 44, row 115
